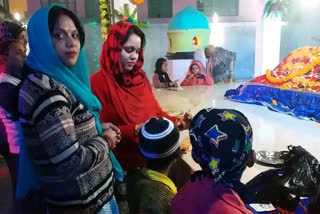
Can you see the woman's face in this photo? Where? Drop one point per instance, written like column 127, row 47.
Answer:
column 66, row 41
column 164, row 66
column 130, row 52
column 195, row 69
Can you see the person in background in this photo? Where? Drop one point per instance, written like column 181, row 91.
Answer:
column 222, row 144
column 210, row 53
column 161, row 78
column 150, row 190
column 69, row 149
column 12, row 59
column 196, row 76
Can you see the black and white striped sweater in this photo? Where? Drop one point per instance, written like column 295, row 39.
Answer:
column 70, row 157
column 10, row 129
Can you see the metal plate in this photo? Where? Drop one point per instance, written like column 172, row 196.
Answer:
column 267, row 158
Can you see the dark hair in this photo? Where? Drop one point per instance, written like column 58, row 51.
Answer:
column 162, row 164
column 159, row 62
column 54, row 14
column 135, row 30
column 14, row 29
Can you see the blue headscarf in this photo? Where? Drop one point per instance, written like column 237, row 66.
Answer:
column 43, row 57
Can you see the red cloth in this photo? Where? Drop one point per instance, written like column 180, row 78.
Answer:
column 195, row 81
column 127, row 98
column 207, row 197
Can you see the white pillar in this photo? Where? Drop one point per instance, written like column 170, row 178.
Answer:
column 268, row 38
column 271, row 43
column 259, row 39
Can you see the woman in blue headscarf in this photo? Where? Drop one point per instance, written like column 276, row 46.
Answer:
column 69, row 149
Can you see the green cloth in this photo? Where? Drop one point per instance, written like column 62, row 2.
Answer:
column 150, row 192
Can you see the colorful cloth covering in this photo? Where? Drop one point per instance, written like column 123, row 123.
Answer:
column 293, row 87
column 221, row 143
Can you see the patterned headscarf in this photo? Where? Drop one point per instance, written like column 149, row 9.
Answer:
column 110, row 57
column 221, row 143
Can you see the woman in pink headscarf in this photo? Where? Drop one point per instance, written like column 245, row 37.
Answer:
column 196, row 75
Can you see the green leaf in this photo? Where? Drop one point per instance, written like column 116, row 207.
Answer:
column 118, row 15
column 126, row 10
column 134, row 13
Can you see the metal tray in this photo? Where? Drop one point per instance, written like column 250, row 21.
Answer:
column 269, row 158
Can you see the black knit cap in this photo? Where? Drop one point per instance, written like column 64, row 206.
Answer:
column 159, row 138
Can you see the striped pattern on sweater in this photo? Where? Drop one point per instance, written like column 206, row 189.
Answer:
column 10, row 128
column 70, row 157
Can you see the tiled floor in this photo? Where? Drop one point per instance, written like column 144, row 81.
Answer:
column 272, row 131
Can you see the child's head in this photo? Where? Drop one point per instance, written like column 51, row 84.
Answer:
column 162, row 64
column 209, row 51
column 159, row 143
column 195, row 69
column 222, row 143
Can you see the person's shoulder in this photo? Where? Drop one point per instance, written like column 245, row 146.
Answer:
column 95, row 77
column 97, row 80
column 39, row 80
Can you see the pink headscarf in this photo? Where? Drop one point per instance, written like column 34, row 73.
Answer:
column 199, row 64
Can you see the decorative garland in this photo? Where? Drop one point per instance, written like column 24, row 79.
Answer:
column 105, row 17
column 314, row 61
column 301, row 85
column 275, row 8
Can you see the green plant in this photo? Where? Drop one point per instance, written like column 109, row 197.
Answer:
column 125, row 13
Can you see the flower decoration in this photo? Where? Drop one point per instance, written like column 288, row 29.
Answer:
column 105, row 17
column 296, row 65
column 125, row 15
column 275, row 8
column 136, row 2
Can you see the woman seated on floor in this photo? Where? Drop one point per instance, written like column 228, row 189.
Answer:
column 196, row 76
column 161, row 78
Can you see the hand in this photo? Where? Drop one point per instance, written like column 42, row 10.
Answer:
column 106, row 126
column 112, row 137
column 189, row 77
column 184, row 121
column 173, row 84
